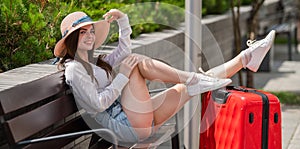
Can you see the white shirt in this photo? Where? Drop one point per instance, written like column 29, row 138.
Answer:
column 93, row 97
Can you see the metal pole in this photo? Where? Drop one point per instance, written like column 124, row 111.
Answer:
column 74, row 134
column 192, row 49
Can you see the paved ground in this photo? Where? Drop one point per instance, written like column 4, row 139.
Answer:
column 284, row 76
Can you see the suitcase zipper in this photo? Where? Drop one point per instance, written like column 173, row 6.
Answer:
column 265, row 118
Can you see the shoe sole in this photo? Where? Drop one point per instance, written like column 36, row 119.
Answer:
column 217, row 86
column 211, row 88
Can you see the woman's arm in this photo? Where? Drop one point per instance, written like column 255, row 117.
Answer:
column 124, row 46
column 85, row 90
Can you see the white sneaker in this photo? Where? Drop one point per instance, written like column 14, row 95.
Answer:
column 204, row 83
column 258, row 50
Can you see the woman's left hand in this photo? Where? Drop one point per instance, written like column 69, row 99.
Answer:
column 113, row 14
column 128, row 64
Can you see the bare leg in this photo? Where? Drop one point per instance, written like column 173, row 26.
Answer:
column 142, row 111
column 135, row 99
column 227, row 69
column 250, row 58
column 136, row 102
column 170, row 102
column 155, row 70
column 196, row 83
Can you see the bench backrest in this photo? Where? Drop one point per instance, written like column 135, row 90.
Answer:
column 39, row 108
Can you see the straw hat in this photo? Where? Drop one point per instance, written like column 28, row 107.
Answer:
column 73, row 22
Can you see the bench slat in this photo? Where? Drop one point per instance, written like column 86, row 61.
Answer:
column 32, row 122
column 26, row 94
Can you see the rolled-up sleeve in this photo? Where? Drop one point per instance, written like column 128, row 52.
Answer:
column 85, row 91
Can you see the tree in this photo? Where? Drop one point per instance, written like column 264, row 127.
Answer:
column 252, row 30
column 236, row 30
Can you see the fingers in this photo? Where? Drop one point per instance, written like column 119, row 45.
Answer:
column 131, row 61
column 128, row 64
column 110, row 18
column 112, row 15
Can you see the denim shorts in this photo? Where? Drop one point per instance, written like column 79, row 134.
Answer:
column 116, row 120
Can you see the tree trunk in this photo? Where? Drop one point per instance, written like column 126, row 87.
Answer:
column 253, row 24
column 237, row 32
column 2, row 67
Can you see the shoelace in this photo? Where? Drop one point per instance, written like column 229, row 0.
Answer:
column 250, row 42
column 209, row 76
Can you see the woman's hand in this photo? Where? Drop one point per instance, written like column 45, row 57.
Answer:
column 128, row 64
column 113, row 14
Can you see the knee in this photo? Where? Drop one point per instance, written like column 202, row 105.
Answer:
column 180, row 87
column 140, row 57
column 142, row 61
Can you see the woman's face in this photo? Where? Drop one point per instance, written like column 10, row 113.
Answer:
column 86, row 38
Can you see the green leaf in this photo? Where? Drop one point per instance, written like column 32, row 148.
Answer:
column 25, row 27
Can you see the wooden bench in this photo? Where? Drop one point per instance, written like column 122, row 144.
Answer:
column 43, row 113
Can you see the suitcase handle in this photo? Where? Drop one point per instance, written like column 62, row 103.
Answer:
column 220, row 96
column 237, row 88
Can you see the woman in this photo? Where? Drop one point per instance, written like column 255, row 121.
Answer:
column 122, row 103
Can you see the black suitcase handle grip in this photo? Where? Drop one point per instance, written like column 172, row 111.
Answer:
column 220, row 96
column 238, row 88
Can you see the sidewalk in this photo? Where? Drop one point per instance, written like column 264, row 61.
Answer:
column 284, row 76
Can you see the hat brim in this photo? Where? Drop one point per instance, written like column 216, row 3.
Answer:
column 101, row 31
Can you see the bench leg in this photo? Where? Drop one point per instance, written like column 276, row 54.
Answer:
column 97, row 142
column 175, row 142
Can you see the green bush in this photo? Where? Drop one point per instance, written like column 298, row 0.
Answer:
column 29, row 31
column 219, row 6
column 288, row 97
column 214, row 6
column 246, row 2
column 150, row 17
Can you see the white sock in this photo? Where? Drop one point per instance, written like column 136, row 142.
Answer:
column 246, row 57
column 190, row 79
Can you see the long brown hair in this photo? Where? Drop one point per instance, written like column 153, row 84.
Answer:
column 71, row 46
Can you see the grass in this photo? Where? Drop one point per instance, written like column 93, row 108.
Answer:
column 283, row 40
column 288, row 98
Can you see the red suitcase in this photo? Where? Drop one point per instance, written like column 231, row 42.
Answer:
column 240, row 118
